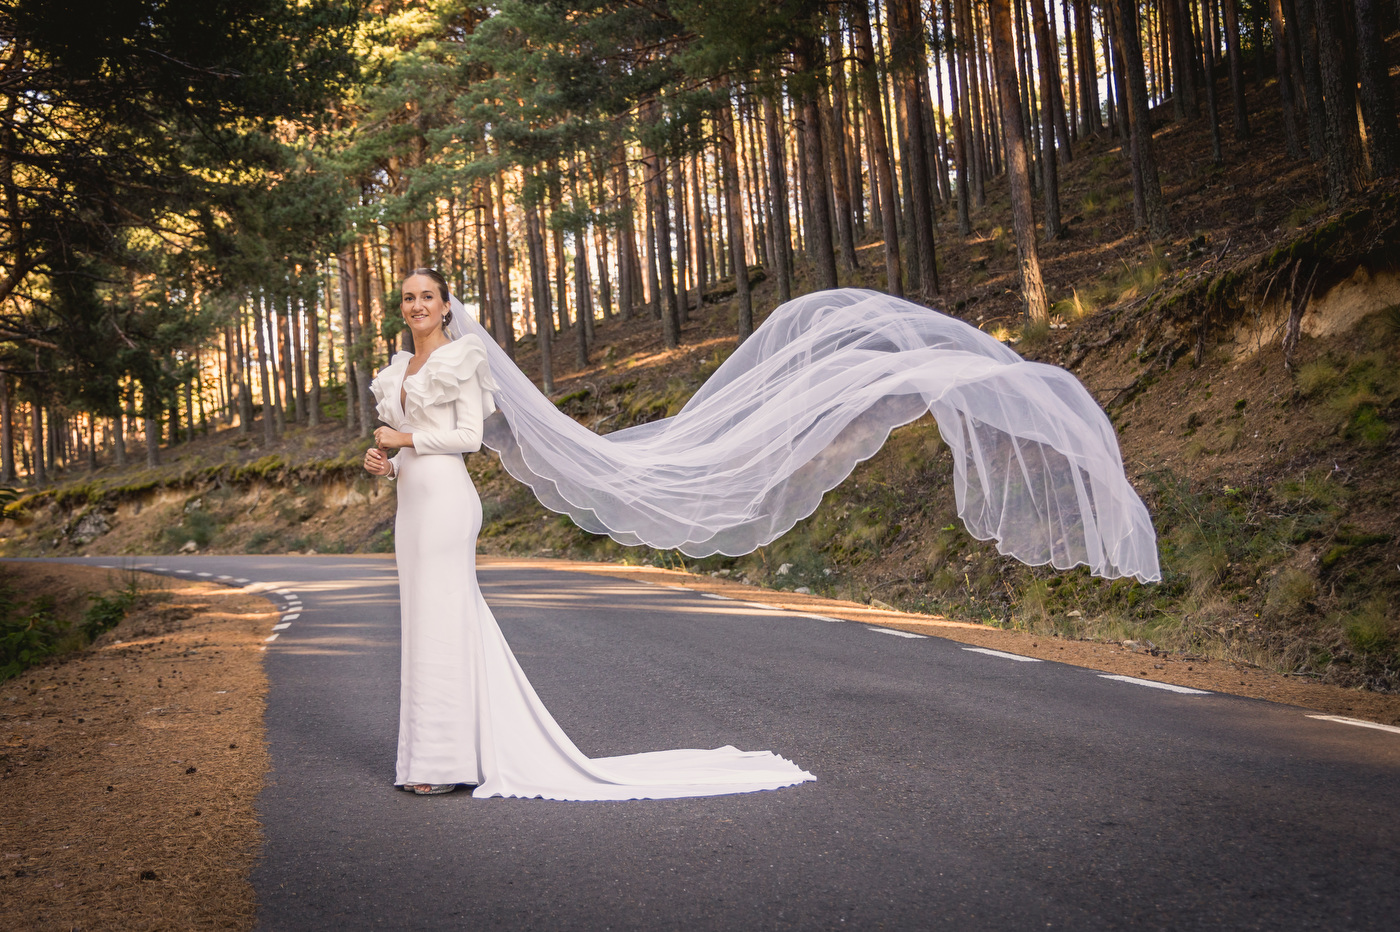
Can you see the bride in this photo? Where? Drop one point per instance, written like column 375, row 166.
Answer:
column 814, row 391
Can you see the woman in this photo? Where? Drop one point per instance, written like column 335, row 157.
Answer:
column 813, row 392
column 467, row 714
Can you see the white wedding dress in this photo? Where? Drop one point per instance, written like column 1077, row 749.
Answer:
column 467, row 713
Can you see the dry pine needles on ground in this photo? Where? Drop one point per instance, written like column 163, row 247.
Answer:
column 130, row 769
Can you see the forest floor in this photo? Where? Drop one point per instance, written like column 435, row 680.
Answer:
column 130, row 768
column 1270, row 480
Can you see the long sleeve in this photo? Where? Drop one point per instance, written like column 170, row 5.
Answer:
column 466, row 436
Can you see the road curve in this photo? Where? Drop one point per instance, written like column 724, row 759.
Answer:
column 956, row 788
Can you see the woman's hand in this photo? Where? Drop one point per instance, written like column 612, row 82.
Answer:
column 390, row 439
column 376, row 463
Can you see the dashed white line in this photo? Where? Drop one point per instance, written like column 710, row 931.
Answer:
column 204, row 574
column 1002, row 654
column 284, row 625
column 243, row 581
column 896, row 632
column 271, row 639
column 715, row 595
column 1342, row 720
column 284, row 592
column 823, row 618
column 292, row 617
column 186, row 572
column 225, row 577
column 1169, row 687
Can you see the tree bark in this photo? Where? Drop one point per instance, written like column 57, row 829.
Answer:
column 906, row 53
column 539, row 291
column 1230, row 8
column 1346, row 171
column 834, row 120
column 778, row 221
column 1017, row 169
column 1049, row 91
column 7, row 443
column 346, row 270
column 1208, row 69
column 1139, row 126
column 1291, row 137
column 504, row 329
column 1306, row 52
column 734, row 209
column 881, row 172
column 259, row 340
column 1377, row 97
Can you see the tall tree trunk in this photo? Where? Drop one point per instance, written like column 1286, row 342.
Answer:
column 1208, row 68
column 1307, row 53
column 1230, row 8
column 1049, row 91
column 348, row 300
column 1183, row 53
column 735, row 212
column 778, row 221
column 701, row 230
column 1139, row 126
column 666, row 297
column 1346, row 171
column 907, row 52
column 150, row 427
column 881, row 173
column 7, row 442
column 119, row 438
column 1089, row 119
column 504, row 328
column 833, row 118
column 297, row 359
column 682, row 238
column 1017, row 169
column 313, row 362
column 1292, row 138
column 539, row 286
column 1377, row 97
column 260, row 341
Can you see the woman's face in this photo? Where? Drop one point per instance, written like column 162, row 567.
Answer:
column 423, row 307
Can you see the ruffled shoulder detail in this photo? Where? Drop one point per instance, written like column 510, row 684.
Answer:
column 391, row 374
column 452, row 369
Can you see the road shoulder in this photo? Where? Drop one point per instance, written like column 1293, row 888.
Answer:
column 130, row 770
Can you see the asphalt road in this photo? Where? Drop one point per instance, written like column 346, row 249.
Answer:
column 956, row 789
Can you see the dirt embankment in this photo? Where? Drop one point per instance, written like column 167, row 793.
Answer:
column 129, row 770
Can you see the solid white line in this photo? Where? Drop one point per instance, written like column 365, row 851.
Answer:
column 1002, row 654
column 1357, row 722
column 1169, row 687
column 271, row 639
column 292, row 617
column 283, row 625
column 895, row 631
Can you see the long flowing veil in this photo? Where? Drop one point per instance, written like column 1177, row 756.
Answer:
column 814, row 391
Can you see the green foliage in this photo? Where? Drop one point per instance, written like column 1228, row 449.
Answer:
column 106, row 612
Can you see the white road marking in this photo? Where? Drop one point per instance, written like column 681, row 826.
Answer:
column 1169, row 687
column 715, row 595
column 285, row 624
column 823, row 618
column 681, row 588
column 895, row 631
column 1002, row 654
column 243, row 581
column 225, row 577
column 186, row 572
column 1357, row 722
column 204, row 574
column 764, row 605
column 292, row 617
column 105, row 566
column 284, row 592
column 271, row 639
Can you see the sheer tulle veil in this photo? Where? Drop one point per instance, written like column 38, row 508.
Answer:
column 816, row 390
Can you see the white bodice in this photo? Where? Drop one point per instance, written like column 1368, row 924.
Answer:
column 445, row 402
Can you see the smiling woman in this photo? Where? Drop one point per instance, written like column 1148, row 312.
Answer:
column 815, row 390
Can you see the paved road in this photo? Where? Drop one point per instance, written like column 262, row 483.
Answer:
column 956, row 789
